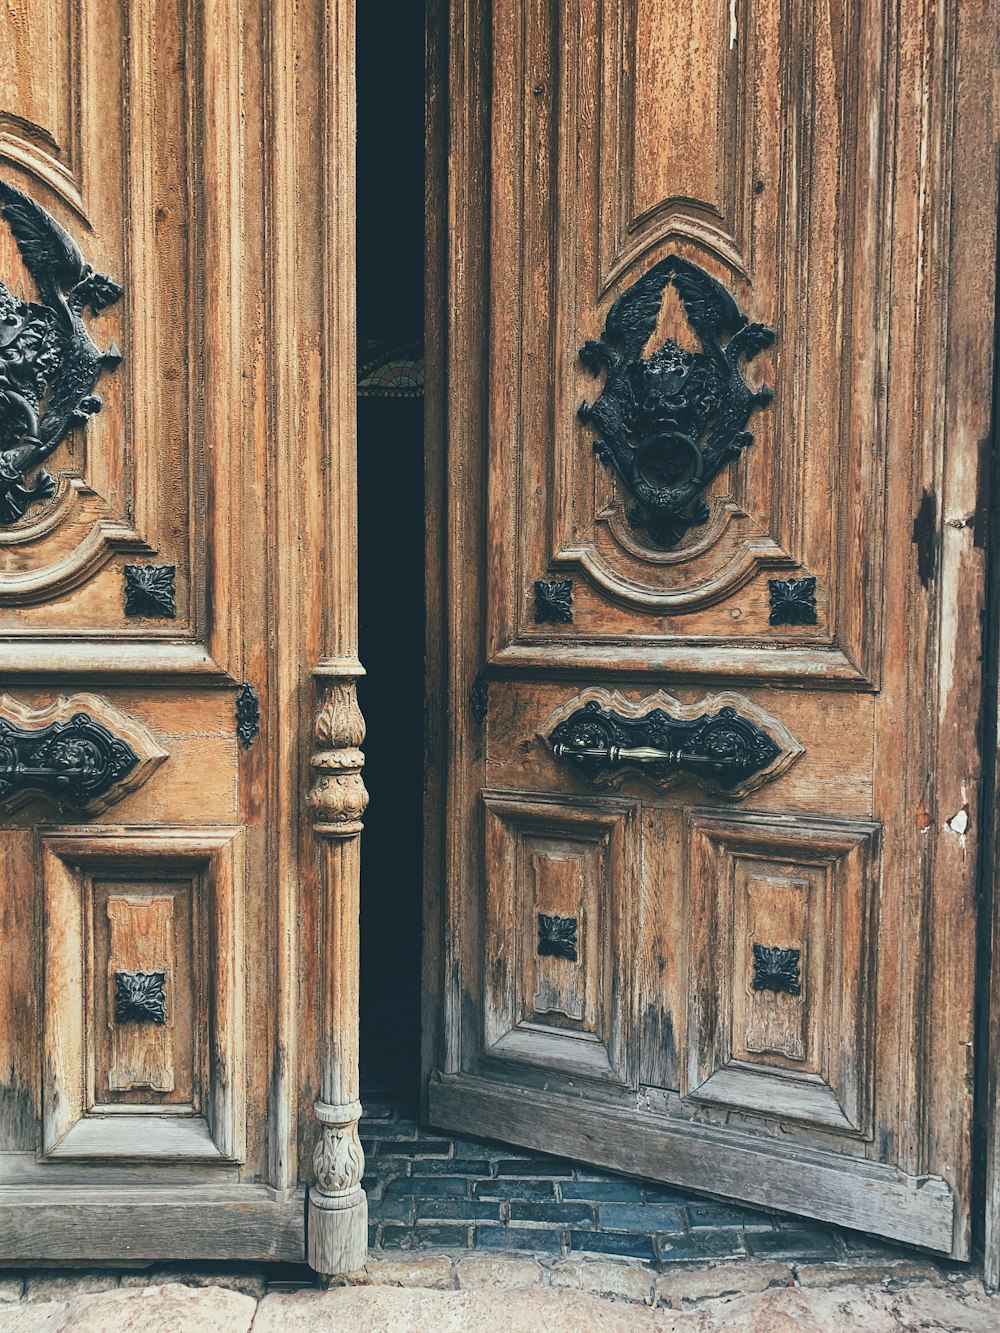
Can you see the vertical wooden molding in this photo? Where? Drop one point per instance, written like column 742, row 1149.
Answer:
column 338, row 1208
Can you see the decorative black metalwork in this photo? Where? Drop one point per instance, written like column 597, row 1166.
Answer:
column 793, row 601
column 140, row 997
column 723, row 747
column 479, row 698
column 150, row 590
column 49, row 364
column 776, row 969
column 557, row 936
column 553, row 601
column 247, row 714
column 74, row 761
column 669, row 424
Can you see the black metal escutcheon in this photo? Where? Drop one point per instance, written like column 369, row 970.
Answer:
column 722, row 746
column 74, row 762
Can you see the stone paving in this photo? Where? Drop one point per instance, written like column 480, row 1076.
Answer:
column 470, row 1234
column 487, row 1293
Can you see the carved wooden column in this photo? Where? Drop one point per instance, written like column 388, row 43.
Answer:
column 338, row 1208
column 315, row 55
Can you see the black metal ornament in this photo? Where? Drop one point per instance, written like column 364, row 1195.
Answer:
column 479, row 698
column 776, row 969
column 150, row 590
column 720, row 747
column 141, row 997
column 557, row 936
column 74, row 762
column 670, row 423
column 49, row 364
column 247, row 714
column 793, row 601
column 553, row 601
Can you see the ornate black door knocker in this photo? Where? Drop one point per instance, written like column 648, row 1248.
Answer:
column 49, row 364
column 671, row 422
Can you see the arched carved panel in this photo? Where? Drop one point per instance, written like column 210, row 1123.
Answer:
column 43, row 94
column 80, row 754
column 653, row 156
column 672, row 132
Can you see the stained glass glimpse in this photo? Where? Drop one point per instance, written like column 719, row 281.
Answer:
column 391, row 370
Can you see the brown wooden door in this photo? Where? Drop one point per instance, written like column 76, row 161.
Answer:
column 704, row 899
column 177, row 1029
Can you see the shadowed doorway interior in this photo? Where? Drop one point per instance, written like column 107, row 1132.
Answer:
column 391, row 533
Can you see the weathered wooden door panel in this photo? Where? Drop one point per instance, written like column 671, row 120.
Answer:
column 164, row 1025
column 708, row 856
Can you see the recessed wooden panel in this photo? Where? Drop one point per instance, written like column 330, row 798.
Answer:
column 142, row 942
column 148, row 926
column 783, row 963
column 561, row 903
column 683, row 158
column 165, row 900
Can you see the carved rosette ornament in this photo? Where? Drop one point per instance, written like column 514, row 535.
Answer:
column 49, row 364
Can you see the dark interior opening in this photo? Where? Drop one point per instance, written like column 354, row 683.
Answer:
column 391, row 533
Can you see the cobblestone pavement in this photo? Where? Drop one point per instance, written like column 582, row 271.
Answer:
column 470, row 1234
column 486, row 1292
column 429, row 1190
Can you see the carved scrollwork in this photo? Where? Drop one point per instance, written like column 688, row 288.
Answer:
column 49, row 364
column 670, row 423
column 338, row 798
column 724, row 742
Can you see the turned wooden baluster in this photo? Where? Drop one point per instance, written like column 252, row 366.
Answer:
column 338, row 1208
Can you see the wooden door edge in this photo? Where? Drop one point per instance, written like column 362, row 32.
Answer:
column 871, row 1197
column 986, row 1157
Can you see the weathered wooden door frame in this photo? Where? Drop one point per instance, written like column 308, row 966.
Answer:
column 272, row 114
column 988, row 974
column 959, row 178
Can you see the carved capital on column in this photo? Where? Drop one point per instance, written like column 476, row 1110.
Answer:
column 338, row 797
column 338, row 1160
